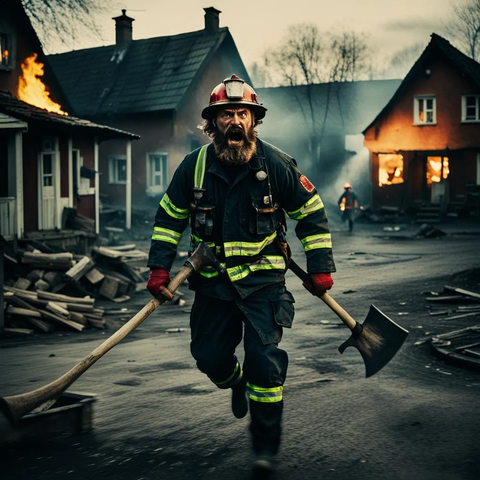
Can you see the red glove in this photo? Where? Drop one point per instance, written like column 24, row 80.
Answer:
column 157, row 282
column 319, row 283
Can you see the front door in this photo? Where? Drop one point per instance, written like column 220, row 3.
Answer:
column 47, row 220
column 437, row 171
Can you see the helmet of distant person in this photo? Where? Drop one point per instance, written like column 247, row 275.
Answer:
column 347, row 185
column 234, row 92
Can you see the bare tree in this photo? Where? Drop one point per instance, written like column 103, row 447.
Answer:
column 400, row 62
column 464, row 26
column 308, row 57
column 66, row 21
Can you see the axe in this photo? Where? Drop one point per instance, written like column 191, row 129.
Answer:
column 15, row 407
column 377, row 339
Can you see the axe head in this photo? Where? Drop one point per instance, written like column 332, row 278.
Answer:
column 378, row 340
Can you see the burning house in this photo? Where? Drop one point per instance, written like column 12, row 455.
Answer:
column 155, row 87
column 49, row 159
column 321, row 127
column 425, row 143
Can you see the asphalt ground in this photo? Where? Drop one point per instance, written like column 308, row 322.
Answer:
column 156, row 416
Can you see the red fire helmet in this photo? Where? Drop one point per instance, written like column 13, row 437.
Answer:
column 234, row 91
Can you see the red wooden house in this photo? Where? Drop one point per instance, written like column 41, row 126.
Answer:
column 48, row 159
column 425, row 143
column 156, row 87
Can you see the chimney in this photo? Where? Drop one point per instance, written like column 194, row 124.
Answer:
column 123, row 31
column 212, row 19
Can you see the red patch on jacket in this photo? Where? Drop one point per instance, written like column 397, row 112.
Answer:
column 306, row 184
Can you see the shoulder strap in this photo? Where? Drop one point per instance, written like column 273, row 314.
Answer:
column 200, row 167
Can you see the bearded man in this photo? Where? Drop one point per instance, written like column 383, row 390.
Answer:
column 234, row 193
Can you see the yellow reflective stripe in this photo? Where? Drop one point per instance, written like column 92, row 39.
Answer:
column 268, row 262
column 200, row 167
column 247, row 248
column 323, row 240
column 210, row 272
column 313, row 205
column 232, row 376
column 196, row 241
column 172, row 210
column 264, row 395
column 166, row 235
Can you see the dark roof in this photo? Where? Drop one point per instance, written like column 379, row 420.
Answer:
column 154, row 74
column 14, row 107
column 466, row 65
column 351, row 106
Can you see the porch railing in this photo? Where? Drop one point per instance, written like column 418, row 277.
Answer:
column 7, row 216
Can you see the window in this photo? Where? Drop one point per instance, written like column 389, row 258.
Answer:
column 390, row 169
column 471, row 108
column 117, row 169
column 425, row 110
column 437, row 169
column 156, row 173
column 5, row 51
column 81, row 184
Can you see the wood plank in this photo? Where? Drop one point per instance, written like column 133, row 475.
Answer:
column 42, row 285
column 109, row 287
column 56, row 318
column 11, row 310
column 22, row 283
column 78, row 317
column 53, row 277
column 35, row 275
column 65, row 298
column 41, row 324
column 121, row 248
column 462, row 291
column 122, row 299
column 94, row 276
column 48, row 260
column 19, row 331
column 79, row 269
column 58, row 310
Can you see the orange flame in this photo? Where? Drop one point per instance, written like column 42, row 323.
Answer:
column 32, row 90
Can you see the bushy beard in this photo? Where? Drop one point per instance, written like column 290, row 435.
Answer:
column 236, row 155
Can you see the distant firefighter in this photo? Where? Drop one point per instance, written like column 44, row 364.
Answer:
column 348, row 203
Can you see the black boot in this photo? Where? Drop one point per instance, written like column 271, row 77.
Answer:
column 263, row 467
column 240, row 399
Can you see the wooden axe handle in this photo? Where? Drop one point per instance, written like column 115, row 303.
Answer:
column 343, row 315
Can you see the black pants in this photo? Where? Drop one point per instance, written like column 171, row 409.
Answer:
column 217, row 326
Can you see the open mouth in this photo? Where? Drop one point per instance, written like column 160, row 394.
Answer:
column 235, row 137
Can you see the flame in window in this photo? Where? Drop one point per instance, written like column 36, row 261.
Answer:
column 437, row 169
column 32, row 90
column 390, row 169
column 5, row 56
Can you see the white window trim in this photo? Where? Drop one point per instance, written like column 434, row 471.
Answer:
column 464, row 108
column 416, row 116
column 111, row 172
column 153, row 190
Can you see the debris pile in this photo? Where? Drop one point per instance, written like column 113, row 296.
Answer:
column 459, row 306
column 45, row 290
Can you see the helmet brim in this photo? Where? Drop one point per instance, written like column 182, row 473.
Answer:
column 258, row 110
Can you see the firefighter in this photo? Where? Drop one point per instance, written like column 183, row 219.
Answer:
column 234, row 193
column 348, row 203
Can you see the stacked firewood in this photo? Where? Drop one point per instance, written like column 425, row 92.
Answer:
column 48, row 291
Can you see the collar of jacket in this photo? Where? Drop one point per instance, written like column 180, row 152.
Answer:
column 217, row 167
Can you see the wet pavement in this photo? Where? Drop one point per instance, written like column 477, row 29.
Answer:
column 156, row 416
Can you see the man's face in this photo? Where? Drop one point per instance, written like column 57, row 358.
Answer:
column 234, row 124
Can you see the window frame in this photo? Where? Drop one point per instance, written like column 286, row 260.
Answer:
column 6, row 44
column 113, row 160
column 416, row 110
column 153, row 189
column 477, row 108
